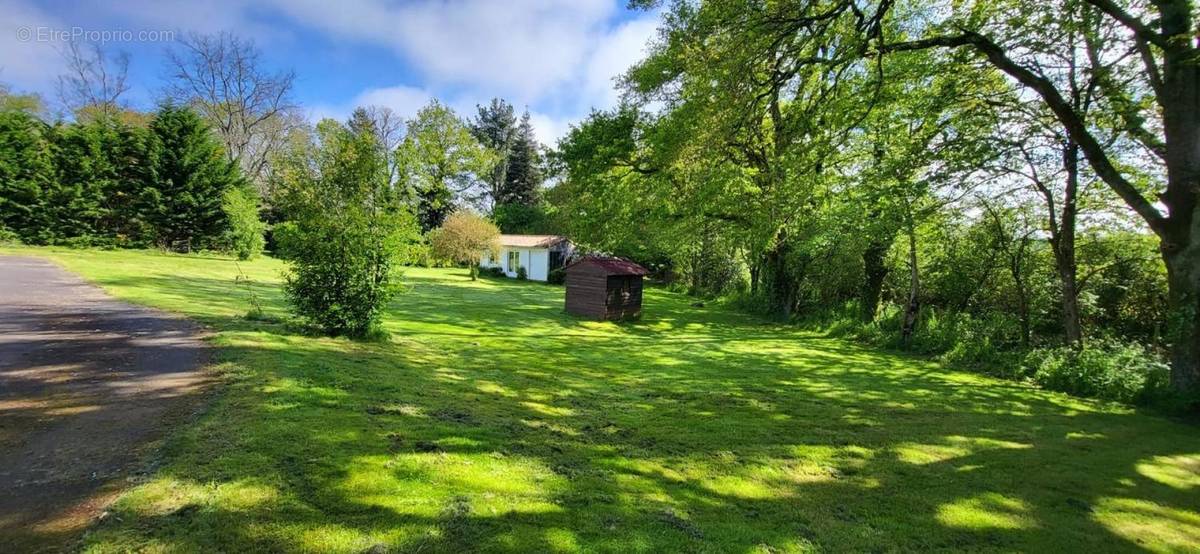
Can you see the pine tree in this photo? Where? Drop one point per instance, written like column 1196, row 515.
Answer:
column 26, row 170
column 101, row 168
column 496, row 128
column 192, row 174
column 523, row 182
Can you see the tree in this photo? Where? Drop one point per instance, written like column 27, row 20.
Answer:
column 102, row 169
column 388, row 127
column 244, row 228
column 523, row 177
column 1150, row 85
column 442, row 161
column 495, row 127
column 464, row 237
column 26, row 172
column 191, row 178
column 347, row 232
column 94, row 82
column 14, row 102
column 249, row 107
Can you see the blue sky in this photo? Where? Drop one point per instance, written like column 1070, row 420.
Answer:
column 556, row 57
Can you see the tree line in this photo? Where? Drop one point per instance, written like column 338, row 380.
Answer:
column 1003, row 184
column 227, row 162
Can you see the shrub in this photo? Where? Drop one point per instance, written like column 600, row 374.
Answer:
column 7, row 236
column 491, row 271
column 557, row 276
column 522, row 274
column 244, row 230
column 1103, row 368
column 463, row 238
column 286, row 235
column 347, row 236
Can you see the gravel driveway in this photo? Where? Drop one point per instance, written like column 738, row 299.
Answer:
column 88, row 384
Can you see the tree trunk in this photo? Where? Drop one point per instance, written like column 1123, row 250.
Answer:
column 474, row 271
column 755, row 270
column 876, row 272
column 1022, row 307
column 914, row 290
column 1180, row 101
column 1063, row 243
column 1183, row 327
column 777, row 281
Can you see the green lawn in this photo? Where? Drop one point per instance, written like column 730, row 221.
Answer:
column 494, row 421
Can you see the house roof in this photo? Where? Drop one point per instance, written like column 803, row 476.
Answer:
column 531, row 241
column 607, row 266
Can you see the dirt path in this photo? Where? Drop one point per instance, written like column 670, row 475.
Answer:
column 87, row 385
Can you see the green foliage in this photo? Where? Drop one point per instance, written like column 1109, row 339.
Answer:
column 463, row 238
column 106, row 182
column 104, row 169
column 522, row 274
column 9, row 237
column 26, row 172
column 524, row 219
column 345, row 237
column 491, row 271
column 557, row 276
column 523, row 177
column 439, row 156
column 1103, row 368
column 185, row 200
column 244, row 229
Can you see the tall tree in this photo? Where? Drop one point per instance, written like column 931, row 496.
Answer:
column 1151, row 85
column 495, row 127
column 249, row 107
column 94, row 81
column 523, row 176
column 191, row 179
column 101, row 168
column 442, row 161
column 26, row 172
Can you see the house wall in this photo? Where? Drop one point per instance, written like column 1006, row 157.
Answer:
column 536, row 262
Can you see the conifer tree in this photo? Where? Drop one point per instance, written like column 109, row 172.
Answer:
column 523, row 180
column 191, row 176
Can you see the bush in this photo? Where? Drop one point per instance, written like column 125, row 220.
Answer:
column 287, row 239
column 557, row 276
column 7, row 236
column 491, row 271
column 244, row 230
column 1104, row 369
column 522, row 274
column 346, row 238
column 463, row 237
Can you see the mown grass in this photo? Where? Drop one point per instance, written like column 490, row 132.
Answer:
column 493, row 421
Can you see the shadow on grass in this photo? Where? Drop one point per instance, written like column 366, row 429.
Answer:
column 493, row 421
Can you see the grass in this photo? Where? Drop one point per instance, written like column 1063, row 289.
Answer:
column 493, row 421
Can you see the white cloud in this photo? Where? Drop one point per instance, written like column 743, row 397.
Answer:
column 620, row 49
column 521, row 49
column 402, row 99
column 549, row 129
column 558, row 58
column 26, row 62
column 560, row 72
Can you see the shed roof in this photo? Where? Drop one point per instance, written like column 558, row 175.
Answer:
column 531, row 241
column 607, row 266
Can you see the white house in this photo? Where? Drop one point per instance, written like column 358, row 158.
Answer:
column 538, row 254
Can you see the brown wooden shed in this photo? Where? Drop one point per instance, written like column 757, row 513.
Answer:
column 605, row 288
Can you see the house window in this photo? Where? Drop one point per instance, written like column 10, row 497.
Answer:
column 514, row 261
